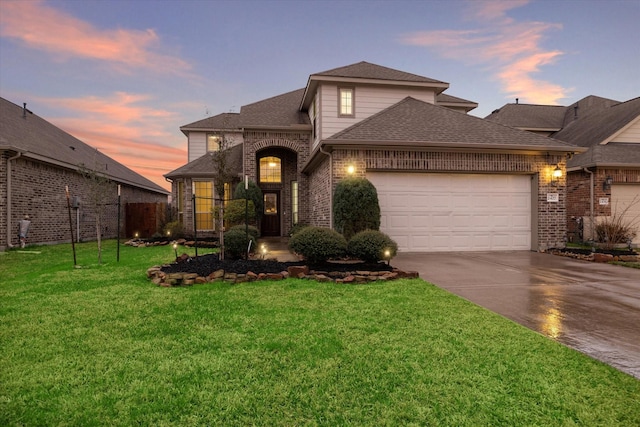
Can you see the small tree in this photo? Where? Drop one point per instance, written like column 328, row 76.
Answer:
column 355, row 207
column 221, row 175
column 100, row 191
column 254, row 194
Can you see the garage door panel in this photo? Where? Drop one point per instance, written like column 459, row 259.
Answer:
column 455, row 212
column 627, row 197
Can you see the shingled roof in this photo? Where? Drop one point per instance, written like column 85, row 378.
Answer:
column 530, row 116
column 423, row 124
column 366, row 70
column 203, row 166
column 25, row 132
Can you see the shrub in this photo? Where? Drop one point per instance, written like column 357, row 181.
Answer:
column 297, row 228
column 318, row 244
column 612, row 232
column 236, row 243
column 234, row 212
column 253, row 231
column 173, row 229
column 370, row 246
column 254, row 194
column 355, row 206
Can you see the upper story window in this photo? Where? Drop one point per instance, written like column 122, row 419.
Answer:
column 270, row 170
column 213, row 142
column 346, row 102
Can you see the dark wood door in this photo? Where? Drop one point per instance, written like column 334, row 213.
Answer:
column 271, row 214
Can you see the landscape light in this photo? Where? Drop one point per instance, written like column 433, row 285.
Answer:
column 175, row 249
column 387, row 255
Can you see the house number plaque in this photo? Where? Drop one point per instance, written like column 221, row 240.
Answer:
column 553, row 197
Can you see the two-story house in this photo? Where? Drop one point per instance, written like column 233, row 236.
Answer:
column 447, row 181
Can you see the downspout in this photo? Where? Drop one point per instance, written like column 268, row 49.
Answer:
column 591, row 225
column 9, row 197
column 330, row 185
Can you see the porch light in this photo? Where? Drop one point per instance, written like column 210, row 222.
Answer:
column 556, row 175
column 606, row 184
column 351, row 169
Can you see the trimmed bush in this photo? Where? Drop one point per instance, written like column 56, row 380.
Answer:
column 234, row 212
column 253, row 231
column 173, row 229
column 370, row 246
column 318, row 244
column 355, row 206
column 236, row 243
column 297, row 228
column 254, row 194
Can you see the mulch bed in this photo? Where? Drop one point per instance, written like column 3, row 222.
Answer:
column 206, row 264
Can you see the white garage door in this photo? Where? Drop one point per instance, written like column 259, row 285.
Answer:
column 455, row 212
column 627, row 197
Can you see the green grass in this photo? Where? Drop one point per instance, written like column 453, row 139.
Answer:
column 100, row 345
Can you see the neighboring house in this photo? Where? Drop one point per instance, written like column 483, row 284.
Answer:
column 446, row 181
column 606, row 178
column 38, row 161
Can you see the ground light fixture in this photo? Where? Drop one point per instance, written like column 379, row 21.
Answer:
column 263, row 250
column 387, row 255
column 175, row 248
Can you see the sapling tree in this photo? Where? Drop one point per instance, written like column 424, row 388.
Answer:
column 99, row 193
column 221, row 175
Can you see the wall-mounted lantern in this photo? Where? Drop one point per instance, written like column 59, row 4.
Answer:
column 557, row 174
column 351, row 169
column 606, row 184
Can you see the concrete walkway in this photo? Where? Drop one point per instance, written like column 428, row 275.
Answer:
column 591, row 307
column 276, row 248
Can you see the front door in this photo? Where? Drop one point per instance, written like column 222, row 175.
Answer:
column 271, row 214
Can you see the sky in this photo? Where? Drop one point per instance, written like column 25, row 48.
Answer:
column 123, row 76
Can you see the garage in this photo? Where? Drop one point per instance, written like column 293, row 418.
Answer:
column 627, row 196
column 440, row 212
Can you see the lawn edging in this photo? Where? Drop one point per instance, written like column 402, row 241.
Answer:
column 163, row 279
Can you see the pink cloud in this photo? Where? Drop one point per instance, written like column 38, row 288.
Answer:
column 42, row 27
column 512, row 48
column 122, row 127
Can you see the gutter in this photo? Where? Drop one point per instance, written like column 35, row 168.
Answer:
column 591, row 226
column 9, row 196
column 330, row 185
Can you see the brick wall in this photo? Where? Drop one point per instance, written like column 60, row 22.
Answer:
column 579, row 195
column 38, row 190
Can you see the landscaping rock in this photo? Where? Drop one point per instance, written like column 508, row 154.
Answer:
column 602, row 257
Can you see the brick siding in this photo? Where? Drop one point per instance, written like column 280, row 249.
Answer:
column 38, row 190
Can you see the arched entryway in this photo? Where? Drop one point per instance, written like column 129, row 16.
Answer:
column 277, row 175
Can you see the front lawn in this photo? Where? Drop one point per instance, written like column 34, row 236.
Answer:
column 100, row 345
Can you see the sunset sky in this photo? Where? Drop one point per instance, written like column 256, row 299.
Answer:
column 123, row 76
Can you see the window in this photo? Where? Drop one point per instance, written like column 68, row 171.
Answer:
column 180, row 201
column 227, row 193
column 270, row 170
column 294, row 202
column 203, row 191
column 213, row 142
column 346, row 101
column 270, row 204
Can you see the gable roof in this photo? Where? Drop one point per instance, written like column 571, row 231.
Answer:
column 426, row 125
column 203, row 166
column 224, row 121
column 367, row 73
column 34, row 137
column 366, row 70
column 597, row 125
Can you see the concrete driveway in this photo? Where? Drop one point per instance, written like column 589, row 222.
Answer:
column 593, row 308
